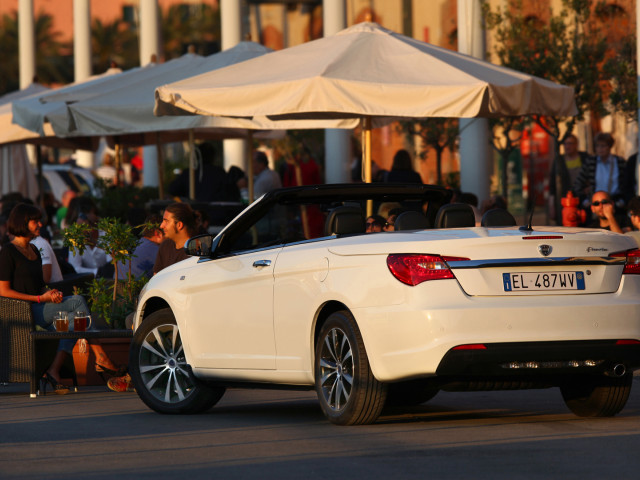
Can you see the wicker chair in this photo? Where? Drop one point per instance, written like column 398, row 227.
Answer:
column 20, row 360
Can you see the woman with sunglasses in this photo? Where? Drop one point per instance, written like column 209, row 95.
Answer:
column 604, row 213
column 374, row 223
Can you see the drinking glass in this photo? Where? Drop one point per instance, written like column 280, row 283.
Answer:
column 81, row 321
column 61, row 321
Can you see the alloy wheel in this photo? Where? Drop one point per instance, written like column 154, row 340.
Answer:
column 336, row 369
column 163, row 367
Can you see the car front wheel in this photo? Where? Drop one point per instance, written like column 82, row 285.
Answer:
column 598, row 396
column 159, row 370
column 348, row 392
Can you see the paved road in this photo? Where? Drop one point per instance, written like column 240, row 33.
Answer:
column 263, row 434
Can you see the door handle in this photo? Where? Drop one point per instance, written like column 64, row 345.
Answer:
column 261, row 263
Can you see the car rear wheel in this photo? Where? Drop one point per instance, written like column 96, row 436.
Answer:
column 348, row 392
column 597, row 397
column 159, row 370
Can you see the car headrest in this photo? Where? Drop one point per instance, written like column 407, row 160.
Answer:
column 344, row 220
column 411, row 220
column 498, row 217
column 455, row 215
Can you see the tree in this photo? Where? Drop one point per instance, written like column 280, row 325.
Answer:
column 435, row 133
column 624, row 84
column 113, row 42
column 505, row 139
column 185, row 25
column 51, row 65
column 570, row 49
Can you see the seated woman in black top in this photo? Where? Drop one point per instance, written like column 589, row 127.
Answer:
column 21, row 278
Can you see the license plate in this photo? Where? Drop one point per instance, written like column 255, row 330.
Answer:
column 534, row 281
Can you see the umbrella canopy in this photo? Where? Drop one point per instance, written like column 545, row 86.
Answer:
column 32, row 112
column 365, row 71
column 125, row 106
column 11, row 133
column 16, row 173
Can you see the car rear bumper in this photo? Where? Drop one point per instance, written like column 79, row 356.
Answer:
column 532, row 359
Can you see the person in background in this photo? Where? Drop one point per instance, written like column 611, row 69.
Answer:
column 94, row 259
column 237, row 185
column 67, row 196
column 144, row 256
column 210, row 178
column 390, row 224
column 51, row 272
column 563, row 175
column 603, row 172
column 78, row 205
column 178, row 225
column 604, row 213
column 107, row 171
column 265, row 179
column 374, row 223
column 633, row 210
column 402, row 169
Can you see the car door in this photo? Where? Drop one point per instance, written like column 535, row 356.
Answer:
column 230, row 311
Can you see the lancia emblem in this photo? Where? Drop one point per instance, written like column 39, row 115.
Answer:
column 545, row 250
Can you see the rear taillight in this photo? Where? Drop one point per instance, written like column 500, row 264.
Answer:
column 632, row 265
column 414, row 269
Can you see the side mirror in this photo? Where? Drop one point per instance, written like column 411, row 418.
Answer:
column 200, row 246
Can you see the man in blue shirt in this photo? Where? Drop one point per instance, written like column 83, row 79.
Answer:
column 144, row 256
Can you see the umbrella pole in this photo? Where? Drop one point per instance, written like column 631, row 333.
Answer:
column 250, row 166
column 160, row 159
column 366, row 156
column 40, row 175
column 118, row 163
column 192, row 173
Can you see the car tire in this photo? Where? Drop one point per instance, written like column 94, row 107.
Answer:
column 348, row 392
column 410, row 393
column 159, row 371
column 597, row 397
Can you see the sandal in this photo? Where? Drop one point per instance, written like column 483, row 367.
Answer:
column 121, row 371
column 58, row 388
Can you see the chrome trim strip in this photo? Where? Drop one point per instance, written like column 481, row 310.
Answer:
column 537, row 261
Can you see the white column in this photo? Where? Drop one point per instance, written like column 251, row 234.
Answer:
column 638, row 70
column 27, row 54
column 149, row 41
column 337, row 141
column 26, row 42
column 82, row 60
column 234, row 150
column 474, row 139
column 81, row 39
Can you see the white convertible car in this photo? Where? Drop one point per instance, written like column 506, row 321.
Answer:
column 294, row 293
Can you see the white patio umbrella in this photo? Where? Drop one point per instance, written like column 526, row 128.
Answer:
column 364, row 73
column 121, row 107
column 16, row 173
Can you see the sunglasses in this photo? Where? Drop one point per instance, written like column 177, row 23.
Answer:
column 597, row 203
column 633, row 214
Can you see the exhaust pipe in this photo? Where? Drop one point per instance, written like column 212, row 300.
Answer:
column 618, row 370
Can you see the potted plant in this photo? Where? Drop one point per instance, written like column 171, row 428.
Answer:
column 111, row 300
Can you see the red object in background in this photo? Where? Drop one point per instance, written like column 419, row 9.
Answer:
column 572, row 216
column 538, row 140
